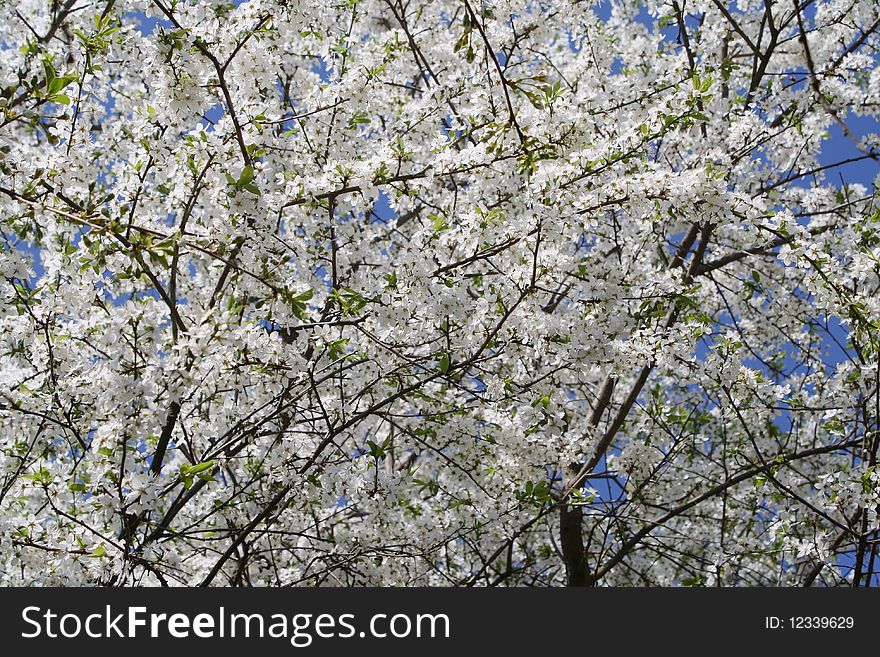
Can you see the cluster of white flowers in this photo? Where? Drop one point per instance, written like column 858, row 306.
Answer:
column 368, row 291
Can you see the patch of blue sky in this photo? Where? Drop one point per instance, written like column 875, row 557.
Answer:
column 447, row 18
column 382, row 212
column 791, row 358
column 451, row 135
column 146, row 25
column 617, row 66
column 324, row 276
column 673, row 242
column 602, row 9
column 585, row 242
column 644, row 17
column 839, row 147
column 846, row 566
column 836, row 335
column 610, row 487
column 322, row 69
column 477, row 384
column 703, row 348
column 835, row 342
column 32, row 252
column 213, row 115
column 575, row 41
column 288, row 122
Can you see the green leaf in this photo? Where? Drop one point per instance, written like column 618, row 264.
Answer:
column 438, row 222
column 42, row 476
column 201, row 467
column 867, row 484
